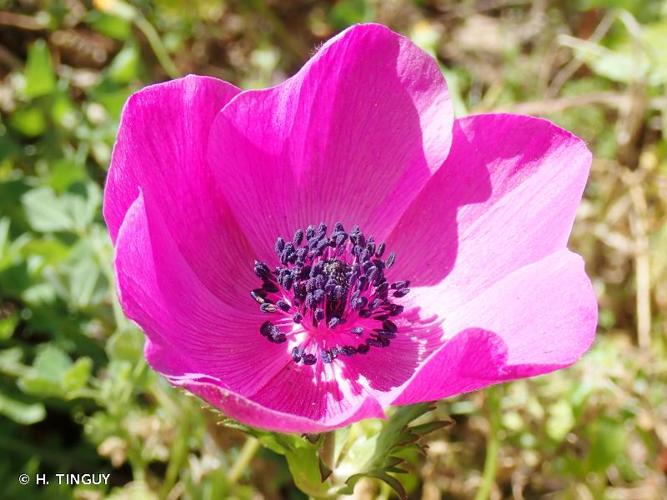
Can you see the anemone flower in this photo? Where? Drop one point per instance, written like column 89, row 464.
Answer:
column 304, row 256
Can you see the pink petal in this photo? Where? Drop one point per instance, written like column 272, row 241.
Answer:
column 385, row 371
column 190, row 329
column 537, row 319
column 160, row 150
column 216, row 351
column 330, row 393
column 327, row 396
column 506, row 196
column 251, row 413
column 352, row 137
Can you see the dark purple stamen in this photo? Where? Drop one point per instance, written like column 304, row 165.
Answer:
column 329, row 285
column 309, row 359
column 283, row 305
column 267, row 307
column 363, row 348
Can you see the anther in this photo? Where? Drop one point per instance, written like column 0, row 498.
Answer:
column 283, row 305
column 309, row 359
column 298, row 237
column 280, row 244
column 390, row 326
column 324, row 281
column 262, row 270
column 348, row 350
column 279, row 338
column 267, row 307
column 266, row 328
column 258, row 295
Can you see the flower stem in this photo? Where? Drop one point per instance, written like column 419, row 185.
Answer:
column 130, row 13
column 328, row 450
column 156, row 44
column 492, row 445
column 247, row 453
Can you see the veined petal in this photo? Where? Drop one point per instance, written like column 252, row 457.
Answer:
column 506, row 196
column 352, row 137
column 217, row 352
column 251, row 413
column 190, row 329
column 161, row 151
column 537, row 319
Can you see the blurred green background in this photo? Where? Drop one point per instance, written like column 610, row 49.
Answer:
column 75, row 393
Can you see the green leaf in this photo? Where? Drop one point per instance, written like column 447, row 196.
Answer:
column 304, row 465
column 629, row 59
column 63, row 111
column 4, row 241
column 77, row 375
column 125, row 344
column 44, row 251
column 72, row 211
column 396, row 437
column 46, row 376
column 429, row 427
column 63, row 173
column 125, row 66
column 8, row 325
column 52, row 363
column 40, row 78
column 21, row 413
column 10, row 362
column 396, row 433
column 111, row 26
column 82, row 205
column 45, row 212
column 301, row 453
column 348, row 12
column 83, row 278
column 560, row 421
column 394, row 483
column 619, row 66
column 608, row 442
column 30, row 122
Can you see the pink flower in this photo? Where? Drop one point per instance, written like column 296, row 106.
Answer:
column 214, row 201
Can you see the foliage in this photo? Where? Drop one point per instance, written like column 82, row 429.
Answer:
column 75, row 394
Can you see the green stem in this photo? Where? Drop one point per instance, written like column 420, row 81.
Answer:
column 156, row 44
column 128, row 12
column 328, row 450
column 247, row 453
column 492, row 445
column 178, row 455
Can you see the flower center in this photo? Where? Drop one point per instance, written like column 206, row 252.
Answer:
column 329, row 296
